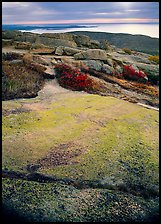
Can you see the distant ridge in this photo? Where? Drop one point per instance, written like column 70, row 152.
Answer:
column 142, row 43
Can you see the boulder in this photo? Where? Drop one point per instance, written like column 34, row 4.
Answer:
column 40, row 60
column 93, row 54
column 94, row 44
column 149, row 69
column 43, row 50
column 62, row 36
column 26, row 37
column 140, row 59
column 23, row 45
column 107, row 69
column 119, row 69
column 71, row 51
column 53, row 61
column 81, row 40
column 37, row 46
column 109, row 61
column 93, row 64
column 59, row 50
column 55, row 42
column 73, row 63
column 105, row 45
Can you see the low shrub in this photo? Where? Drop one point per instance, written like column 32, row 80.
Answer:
column 9, row 56
column 131, row 73
column 154, row 58
column 154, row 79
column 127, row 50
column 73, row 79
column 19, row 81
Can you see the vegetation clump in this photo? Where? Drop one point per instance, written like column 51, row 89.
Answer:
column 74, row 79
column 19, row 80
column 154, row 58
column 130, row 73
column 127, row 50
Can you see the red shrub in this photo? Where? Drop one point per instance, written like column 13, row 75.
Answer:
column 72, row 78
column 130, row 73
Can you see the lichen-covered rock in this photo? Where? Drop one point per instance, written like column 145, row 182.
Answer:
column 107, row 69
column 71, row 51
column 94, row 44
column 62, row 36
column 23, row 45
column 40, row 60
column 93, row 64
column 59, row 50
column 82, row 40
column 55, row 42
column 85, row 41
column 43, row 50
column 149, row 69
column 109, row 61
column 104, row 44
column 72, row 62
column 94, row 54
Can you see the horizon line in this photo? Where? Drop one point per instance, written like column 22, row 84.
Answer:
column 79, row 23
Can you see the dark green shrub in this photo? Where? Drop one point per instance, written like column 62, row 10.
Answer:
column 154, row 79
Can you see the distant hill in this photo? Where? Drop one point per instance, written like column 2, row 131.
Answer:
column 140, row 43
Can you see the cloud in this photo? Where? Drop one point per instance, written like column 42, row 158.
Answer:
column 45, row 12
column 108, row 13
column 133, row 10
column 15, row 12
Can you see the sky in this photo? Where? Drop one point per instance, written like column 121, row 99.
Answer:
column 79, row 12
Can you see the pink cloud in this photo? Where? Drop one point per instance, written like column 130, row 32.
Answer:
column 98, row 20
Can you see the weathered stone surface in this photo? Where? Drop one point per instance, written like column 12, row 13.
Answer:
column 72, row 62
column 85, row 41
column 53, row 61
column 109, row 61
column 140, row 59
column 71, row 51
column 107, row 69
column 81, row 40
column 38, row 46
column 93, row 64
column 148, row 69
column 43, row 50
column 104, row 44
column 55, row 42
column 119, row 69
column 94, row 44
column 40, row 60
column 95, row 54
column 62, row 36
column 59, row 50
column 23, row 45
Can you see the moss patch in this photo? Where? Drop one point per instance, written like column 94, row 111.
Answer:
column 104, row 139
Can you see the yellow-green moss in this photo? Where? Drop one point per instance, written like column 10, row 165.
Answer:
column 109, row 130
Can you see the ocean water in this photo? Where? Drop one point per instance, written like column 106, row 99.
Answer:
column 151, row 30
